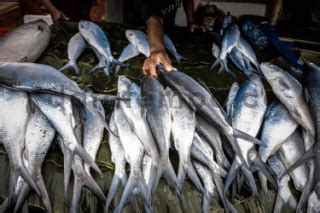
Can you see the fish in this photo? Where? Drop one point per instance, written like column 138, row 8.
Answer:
column 81, row 177
column 30, row 77
column 118, row 158
column 231, row 36
column 133, row 112
column 25, row 43
column 139, row 40
column 182, row 130
column 284, row 195
column 241, row 62
column 245, row 48
column 102, row 64
column 215, row 49
column 58, row 110
column 209, row 187
column 247, row 113
column 212, row 136
column 127, row 53
column 194, row 95
column 96, row 38
column 290, row 92
column 232, row 94
column 39, row 136
column 155, row 107
column 134, row 153
column 303, row 176
column 172, row 49
column 14, row 114
column 76, row 46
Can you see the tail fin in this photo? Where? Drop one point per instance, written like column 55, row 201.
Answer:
column 22, row 197
column 206, row 200
column 76, row 195
column 231, row 174
column 307, row 189
column 67, row 166
column 112, row 191
column 179, row 58
column 171, row 178
column 303, row 159
column 91, row 184
column 215, row 63
column 26, row 176
column 87, row 158
column 245, row 136
column 71, row 64
column 249, row 176
column 194, row 178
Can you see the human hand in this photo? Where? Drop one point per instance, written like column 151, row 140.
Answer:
column 204, row 28
column 57, row 15
column 156, row 57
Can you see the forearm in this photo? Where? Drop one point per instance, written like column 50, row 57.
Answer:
column 188, row 6
column 155, row 34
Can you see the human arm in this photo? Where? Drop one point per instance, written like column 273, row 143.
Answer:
column 158, row 52
column 55, row 13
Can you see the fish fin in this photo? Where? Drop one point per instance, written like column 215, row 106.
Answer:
column 116, row 62
column 220, row 188
column 25, row 208
column 263, row 184
column 249, row 176
column 133, row 182
column 247, row 137
column 71, row 64
column 5, row 205
column 91, row 184
column 262, row 167
column 44, row 195
column 215, row 63
column 231, row 175
column 11, row 197
column 307, row 189
column 94, row 69
column 22, row 197
column 181, row 175
column 307, row 95
column 279, row 204
column 22, row 171
column 206, row 200
column 76, row 195
column 171, row 178
column 87, row 158
column 194, row 177
column 303, row 159
column 112, row 191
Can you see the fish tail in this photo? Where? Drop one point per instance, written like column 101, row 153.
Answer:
column 153, row 181
column 22, row 171
column 182, row 172
column 263, row 183
column 90, row 183
column 249, row 176
column 215, row 63
column 115, row 61
column 171, row 178
column 87, row 158
column 231, row 175
column 112, row 191
column 22, row 197
column 194, row 177
column 44, row 195
column 233, row 142
column 76, row 196
column 67, row 166
column 206, row 200
column 279, row 204
column 71, row 64
column 307, row 189
column 180, row 58
column 245, row 136
column 262, row 167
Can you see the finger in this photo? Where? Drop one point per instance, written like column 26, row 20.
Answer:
column 65, row 17
column 153, row 71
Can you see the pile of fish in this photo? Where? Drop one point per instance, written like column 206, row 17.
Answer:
column 219, row 150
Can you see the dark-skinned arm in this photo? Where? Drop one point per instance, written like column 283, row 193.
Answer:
column 158, row 52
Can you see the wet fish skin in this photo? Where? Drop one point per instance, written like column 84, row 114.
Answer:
column 77, row 44
column 25, row 43
column 183, row 129
column 138, row 122
column 14, row 114
column 94, row 35
column 39, row 136
column 102, row 64
column 58, row 110
column 134, row 152
column 284, row 194
column 240, row 61
column 32, row 77
column 231, row 96
column 290, row 92
column 155, row 107
column 127, row 53
column 245, row 48
column 139, row 40
column 172, row 49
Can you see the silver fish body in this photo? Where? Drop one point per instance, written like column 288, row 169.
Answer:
column 127, row 53
column 172, row 49
column 76, row 46
column 245, row 48
column 25, row 43
column 139, row 40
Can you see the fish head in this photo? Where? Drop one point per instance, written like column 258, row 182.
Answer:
column 130, row 34
column 126, row 87
column 84, row 26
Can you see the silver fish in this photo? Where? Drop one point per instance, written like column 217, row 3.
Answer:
column 58, row 110
column 127, row 53
column 133, row 111
column 155, row 107
column 77, row 44
column 284, row 194
column 172, row 49
column 215, row 49
column 14, row 114
column 194, row 94
column 102, row 64
column 231, row 36
column 32, row 77
column 39, row 136
column 232, row 94
column 139, row 40
column 241, row 61
column 183, row 130
column 25, row 43
column 134, row 152
column 290, row 92
column 94, row 35
column 245, row 48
